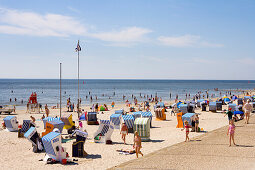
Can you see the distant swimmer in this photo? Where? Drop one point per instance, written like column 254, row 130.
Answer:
column 10, row 100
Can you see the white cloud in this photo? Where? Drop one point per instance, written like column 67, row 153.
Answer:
column 186, row 41
column 130, row 34
column 30, row 23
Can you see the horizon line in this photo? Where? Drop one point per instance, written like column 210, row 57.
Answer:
column 122, row 79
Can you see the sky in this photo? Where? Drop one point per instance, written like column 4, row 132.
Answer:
column 128, row 39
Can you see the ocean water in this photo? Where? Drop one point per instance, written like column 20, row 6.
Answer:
column 48, row 89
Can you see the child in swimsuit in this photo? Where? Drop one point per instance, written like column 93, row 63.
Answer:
column 186, row 127
column 231, row 132
column 124, row 132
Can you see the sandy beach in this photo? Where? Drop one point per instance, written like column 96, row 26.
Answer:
column 17, row 152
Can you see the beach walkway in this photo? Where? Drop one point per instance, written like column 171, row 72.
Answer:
column 209, row 151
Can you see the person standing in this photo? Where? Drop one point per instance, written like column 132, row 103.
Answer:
column 137, row 144
column 124, row 132
column 229, row 113
column 247, row 110
column 231, row 132
column 47, row 111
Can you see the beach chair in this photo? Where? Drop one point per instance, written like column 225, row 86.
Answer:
column 68, row 121
column 189, row 117
column 183, row 108
column 142, row 126
column 121, row 111
column 92, row 118
column 24, row 129
column 78, row 145
column 129, row 121
column 199, row 102
column 104, row 132
column 160, row 114
column 34, row 138
column 49, row 128
column 219, row 105
column 179, row 120
column 147, row 115
column 48, row 119
column 115, row 120
column 137, row 114
column 212, row 106
column 11, row 123
column 53, row 148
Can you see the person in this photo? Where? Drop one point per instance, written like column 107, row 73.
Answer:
column 32, row 118
column 80, row 125
column 229, row 113
column 113, row 104
column 124, row 132
column 96, row 107
column 47, row 111
column 196, row 123
column 231, row 132
column 247, row 111
column 137, row 144
column 186, row 127
column 43, row 117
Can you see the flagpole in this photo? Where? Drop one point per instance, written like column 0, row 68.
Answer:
column 78, row 111
column 60, row 91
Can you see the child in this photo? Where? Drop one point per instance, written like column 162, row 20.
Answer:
column 124, row 132
column 187, row 126
column 231, row 131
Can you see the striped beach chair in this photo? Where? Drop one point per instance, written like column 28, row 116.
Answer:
column 49, row 119
column 129, row 121
column 137, row 114
column 104, row 132
column 142, row 126
column 50, row 142
column 34, row 138
column 11, row 123
column 147, row 115
column 57, row 124
column 24, row 129
column 115, row 120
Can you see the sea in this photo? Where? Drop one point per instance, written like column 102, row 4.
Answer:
column 108, row 90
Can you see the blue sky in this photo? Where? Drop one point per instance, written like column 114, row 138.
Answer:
column 131, row 39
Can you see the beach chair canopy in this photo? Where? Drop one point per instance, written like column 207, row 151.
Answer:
column 142, row 126
column 25, row 126
column 129, row 120
column 105, row 130
column 11, row 123
column 137, row 114
column 50, row 142
column 68, row 121
column 32, row 135
column 189, row 117
column 49, row 119
column 92, row 116
column 57, row 124
column 121, row 111
column 115, row 119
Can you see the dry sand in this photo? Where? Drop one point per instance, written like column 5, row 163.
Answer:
column 16, row 153
column 210, row 151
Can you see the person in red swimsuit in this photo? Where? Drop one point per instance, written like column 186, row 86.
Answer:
column 186, row 127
